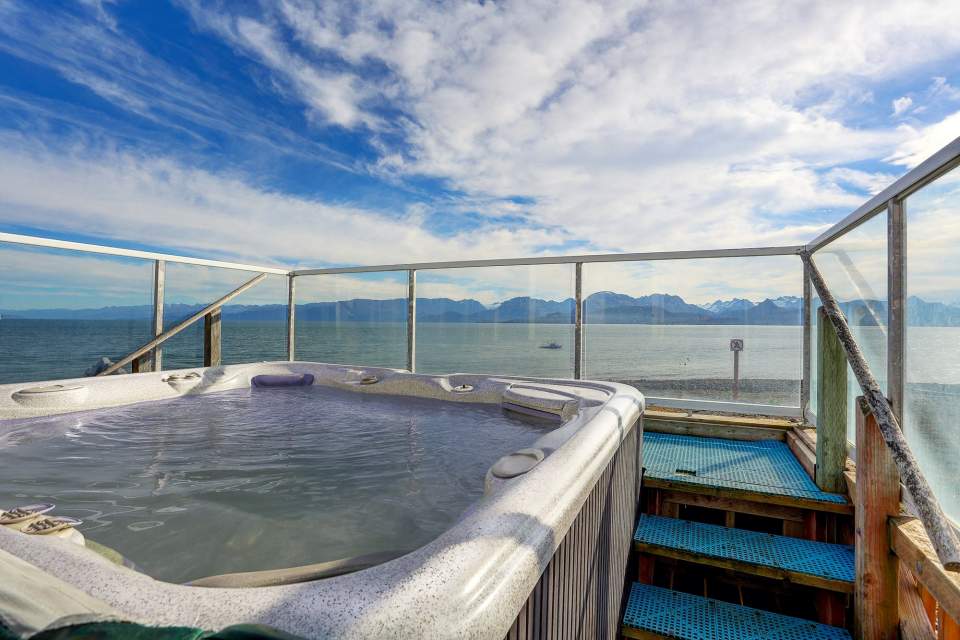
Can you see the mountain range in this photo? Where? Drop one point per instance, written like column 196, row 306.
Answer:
column 605, row 307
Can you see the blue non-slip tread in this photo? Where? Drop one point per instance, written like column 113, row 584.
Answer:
column 762, row 466
column 819, row 559
column 682, row 616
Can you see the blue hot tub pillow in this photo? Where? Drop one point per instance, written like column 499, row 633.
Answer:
column 293, row 380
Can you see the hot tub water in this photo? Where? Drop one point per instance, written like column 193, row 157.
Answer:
column 258, row 479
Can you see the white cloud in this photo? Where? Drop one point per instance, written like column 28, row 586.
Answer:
column 634, row 125
column 629, row 125
column 156, row 200
column 901, row 104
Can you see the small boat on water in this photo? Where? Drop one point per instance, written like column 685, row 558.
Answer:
column 552, row 345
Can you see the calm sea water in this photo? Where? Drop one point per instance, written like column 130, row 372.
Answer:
column 666, row 361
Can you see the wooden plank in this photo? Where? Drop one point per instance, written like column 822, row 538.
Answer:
column 831, row 406
column 211, row 339
column 876, row 612
column 291, row 318
column 730, row 505
column 733, row 421
column 753, row 496
column 746, row 567
column 806, row 457
column 914, row 623
column 912, row 545
column 708, row 430
column 949, row 629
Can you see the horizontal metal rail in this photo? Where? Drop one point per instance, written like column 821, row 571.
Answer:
column 923, row 174
column 936, row 523
column 542, row 260
column 50, row 243
column 172, row 331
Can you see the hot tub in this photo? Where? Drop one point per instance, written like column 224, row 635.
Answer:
column 325, row 500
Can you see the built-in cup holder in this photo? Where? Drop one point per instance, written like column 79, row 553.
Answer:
column 54, row 395
column 369, row 380
column 517, row 463
column 174, row 377
column 182, row 382
column 462, row 388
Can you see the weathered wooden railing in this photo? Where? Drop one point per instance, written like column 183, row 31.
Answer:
column 883, row 461
column 211, row 331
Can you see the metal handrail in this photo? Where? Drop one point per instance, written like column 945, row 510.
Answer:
column 567, row 259
column 923, row 174
column 83, row 247
column 936, row 523
column 172, row 331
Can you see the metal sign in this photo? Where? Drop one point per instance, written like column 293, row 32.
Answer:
column 736, row 344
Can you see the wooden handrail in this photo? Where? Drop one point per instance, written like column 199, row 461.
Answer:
column 172, row 331
column 935, row 522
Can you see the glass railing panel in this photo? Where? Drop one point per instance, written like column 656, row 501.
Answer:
column 358, row 319
column 666, row 327
column 188, row 289
column 854, row 267
column 496, row 320
column 932, row 417
column 61, row 311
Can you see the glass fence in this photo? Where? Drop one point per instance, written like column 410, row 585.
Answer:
column 62, row 311
column 932, row 395
column 499, row 320
column 854, row 266
column 702, row 329
column 357, row 318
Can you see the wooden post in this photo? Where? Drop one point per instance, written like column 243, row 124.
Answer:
column 831, row 406
column 578, row 321
column 211, row 339
column 876, row 614
column 291, row 318
column 159, row 278
column 411, row 321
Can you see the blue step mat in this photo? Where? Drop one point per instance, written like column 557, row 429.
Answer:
column 682, row 616
column 820, row 559
column 763, row 466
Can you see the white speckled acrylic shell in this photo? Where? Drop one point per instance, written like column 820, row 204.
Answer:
column 470, row 582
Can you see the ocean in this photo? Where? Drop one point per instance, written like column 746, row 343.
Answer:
column 680, row 361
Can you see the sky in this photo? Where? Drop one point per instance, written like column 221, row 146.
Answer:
column 318, row 133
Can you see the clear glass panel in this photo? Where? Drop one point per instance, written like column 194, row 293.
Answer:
column 666, row 327
column 498, row 320
column 64, row 310
column 932, row 417
column 854, row 267
column 358, row 319
column 188, row 289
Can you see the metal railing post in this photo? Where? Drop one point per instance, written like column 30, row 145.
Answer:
column 578, row 322
column 896, row 303
column 291, row 318
column 411, row 320
column 806, row 367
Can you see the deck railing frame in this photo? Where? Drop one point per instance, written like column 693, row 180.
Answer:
column 890, row 200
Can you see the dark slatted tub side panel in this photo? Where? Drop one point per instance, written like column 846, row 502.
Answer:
column 581, row 591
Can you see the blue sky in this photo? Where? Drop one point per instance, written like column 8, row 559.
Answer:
column 321, row 133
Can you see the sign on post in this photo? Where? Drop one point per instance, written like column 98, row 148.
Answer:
column 736, row 345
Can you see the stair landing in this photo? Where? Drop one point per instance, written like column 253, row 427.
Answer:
column 763, row 470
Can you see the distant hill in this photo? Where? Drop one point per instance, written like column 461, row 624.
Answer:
column 604, row 307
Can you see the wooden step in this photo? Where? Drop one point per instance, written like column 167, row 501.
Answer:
column 816, row 564
column 655, row 612
column 760, row 471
